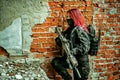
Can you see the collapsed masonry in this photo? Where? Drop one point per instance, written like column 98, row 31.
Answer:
column 16, row 20
column 21, row 69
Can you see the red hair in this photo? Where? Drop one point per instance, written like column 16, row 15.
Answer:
column 76, row 15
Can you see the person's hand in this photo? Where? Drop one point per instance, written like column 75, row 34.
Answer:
column 64, row 40
column 73, row 51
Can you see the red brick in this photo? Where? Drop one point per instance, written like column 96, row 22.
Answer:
column 34, row 29
column 56, row 8
column 42, row 40
column 49, row 19
column 109, row 60
column 109, row 42
column 104, row 47
column 48, row 45
column 98, row 57
column 116, row 46
column 51, row 40
column 111, row 1
column 51, row 34
column 35, row 41
column 113, row 24
column 43, row 35
column 35, row 46
column 54, row 14
column 98, row 70
column 98, row 20
column 35, row 35
column 117, row 55
column 112, row 5
column 68, row 3
column 45, row 25
column 106, row 1
column 33, row 50
column 101, row 10
column 107, row 56
column 118, row 38
column 107, row 38
column 52, row 4
column 118, row 10
column 41, row 50
column 117, row 29
column 99, row 61
column 40, row 30
column 81, row 8
column 39, row 55
column 89, row 2
column 117, row 33
column 111, row 78
column 103, row 74
column 66, row 8
column 113, row 15
column 118, row 19
column 78, row 2
column 89, row 8
column 111, row 69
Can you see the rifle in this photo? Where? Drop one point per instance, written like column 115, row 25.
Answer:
column 71, row 60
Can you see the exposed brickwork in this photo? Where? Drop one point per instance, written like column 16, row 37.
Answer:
column 105, row 14
column 44, row 35
column 43, row 38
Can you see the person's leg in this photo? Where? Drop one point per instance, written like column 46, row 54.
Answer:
column 60, row 65
column 84, row 71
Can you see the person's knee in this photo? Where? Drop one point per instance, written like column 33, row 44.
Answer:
column 54, row 62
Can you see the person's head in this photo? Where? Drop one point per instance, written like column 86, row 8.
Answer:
column 77, row 18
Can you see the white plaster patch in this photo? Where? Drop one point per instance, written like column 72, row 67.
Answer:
column 11, row 37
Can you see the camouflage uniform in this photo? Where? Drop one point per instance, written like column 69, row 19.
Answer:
column 80, row 46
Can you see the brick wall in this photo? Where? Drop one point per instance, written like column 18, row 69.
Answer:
column 44, row 34
column 43, row 44
column 104, row 14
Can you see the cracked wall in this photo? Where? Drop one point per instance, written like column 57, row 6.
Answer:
column 17, row 17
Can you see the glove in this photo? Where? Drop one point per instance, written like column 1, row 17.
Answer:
column 73, row 51
column 65, row 40
column 58, row 42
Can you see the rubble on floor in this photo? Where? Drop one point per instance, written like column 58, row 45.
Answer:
column 21, row 69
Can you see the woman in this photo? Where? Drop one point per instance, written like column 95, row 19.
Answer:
column 80, row 45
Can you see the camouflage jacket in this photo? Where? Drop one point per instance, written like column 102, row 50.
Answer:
column 79, row 42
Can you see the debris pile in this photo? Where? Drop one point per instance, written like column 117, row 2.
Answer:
column 22, row 69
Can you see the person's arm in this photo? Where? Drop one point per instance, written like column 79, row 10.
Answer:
column 83, row 46
column 57, row 39
column 58, row 42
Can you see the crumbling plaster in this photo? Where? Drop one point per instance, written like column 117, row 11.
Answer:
column 17, row 17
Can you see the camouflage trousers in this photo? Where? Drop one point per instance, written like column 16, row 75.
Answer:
column 60, row 65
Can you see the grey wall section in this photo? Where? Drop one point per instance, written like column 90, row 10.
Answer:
column 11, row 38
column 17, row 17
column 12, row 9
